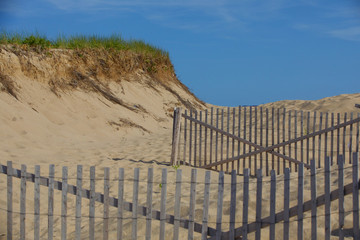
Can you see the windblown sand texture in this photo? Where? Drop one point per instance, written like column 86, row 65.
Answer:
column 63, row 109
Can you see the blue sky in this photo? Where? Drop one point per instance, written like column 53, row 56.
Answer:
column 243, row 52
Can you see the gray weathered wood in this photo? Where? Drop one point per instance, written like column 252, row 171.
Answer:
column 232, row 205
column 278, row 136
column 106, row 203
column 319, row 141
column 289, row 137
column 255, row 138
column 177, row 207
column 192, row 204
column 233, row 140
column 185, row 131
column 51, row 202
column 338, row 137
column 284, row 136
column 313, row 201
column 343, row 140
column 355, row 174
column 341, row 196
column 195, row 140
column 92, row 204
column 205, row 140
column 326, row 136
column 244, row 136
column 300, row 209
column 163, row 204
column 78, row 203
column 313, row 138
column 176, row 136
column 272, row 205
column 135, row 203
column 267, row 141
column 222, row 140
column 200, row 141
column 286, row 202
column 9, row 231
column 357, row 135
column 245, row 203
column 37, row 203
column 149, row 194
column 238, row 134
column 211, row 133
column 332, row 140
column 350, row 138
column 258, row 203
column 327, row 199
column 120, row 204
column 295, row 136
column 64, row 191
column 227, row 138
column 216, row 136
column 273, row 138
column 190, row 137
column 22, row 202
column 261, row 136
column 308, row 139
column 219, row 205
column 204, row 230
column 250, row 136
column 302, row 134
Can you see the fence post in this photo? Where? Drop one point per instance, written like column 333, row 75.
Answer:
column 23, row 202
column 9, row 199
column 355, row 175
column 176, row 136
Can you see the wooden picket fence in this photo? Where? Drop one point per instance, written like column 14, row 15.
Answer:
column 253, row 137
column 239, row 225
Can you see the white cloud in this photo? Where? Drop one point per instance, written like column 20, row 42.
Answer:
column 351, row 33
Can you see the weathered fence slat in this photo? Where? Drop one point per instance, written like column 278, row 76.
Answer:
column 313, row 201
column 120, row 205
column 78, row 203
column 149, row 194
column 177, row 207
column 327, row 199
column 163, row 204
column 37, row 203
column 232, row 205
column 51, row 202
column 219, row 205
column 195, row 140
column 106, row 203
column 135, row 203
column 300, row 210
column 286, row 202
column 192, row 204
column 355, row 174
column 272, row 205
column 258, row 204
column 9, row 230
column 176, row 136
column 204, row 231
column 64, row 202
column 22, row 202
column 92, row 204
column 245, row 203
column 341, row 196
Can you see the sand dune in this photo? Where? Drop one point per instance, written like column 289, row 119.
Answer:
column 118, row 123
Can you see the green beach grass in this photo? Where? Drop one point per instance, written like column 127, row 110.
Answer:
column 81, row 42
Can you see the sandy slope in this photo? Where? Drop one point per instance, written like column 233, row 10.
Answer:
column 84, row 127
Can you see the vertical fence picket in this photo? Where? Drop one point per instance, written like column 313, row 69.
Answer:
column 216, row 137
column 314, row 137
column 273, row 138
column 120, row 205
column 23, row 202
column 92, row 204
column 163, row 204
column 219, row 205
column 149, row 194
column 106, row 203
column 278, row 136
column 205, row 140
column 313, row 201
column 258, row 203
column 205, row 206
column 261, row 136
column 350, row 138
column 185, row 131
column 9, row 231
column 295, row 136
column 177, row 208
column 190, row 137
column 302, row 134
column 343, row 140
column 200, row 140
column 326, row 154
column 283, row 136
column 233, row 140
column 355, row 192
column 267, row 141
column 332, row 140
column 78, row 203
column 244, row 136
column 327, row 199
column 222, row 140
column 245, row 203
column 338, row 138
column 37, row 203
column 357, row 134
column 250, row 136
column 340, row 161
column 64, row 190
column 289, row 137
column 286, row 202
column 51, row 202
column 232, row 204
column 307, row 139
column 227, row 138
column 192, row 204
column 135, row 203
column 300, row 210
column 195, row 139
column 255, row 138
column 239, row 132
column 319, row 140
column 211, row 133
column 272, row 205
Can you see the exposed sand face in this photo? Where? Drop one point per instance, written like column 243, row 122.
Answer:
column 83, row 127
